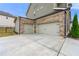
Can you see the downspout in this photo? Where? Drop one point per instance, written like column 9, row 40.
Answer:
column 70, row 16
column 65, row 24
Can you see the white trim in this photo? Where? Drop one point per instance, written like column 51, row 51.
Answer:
column 60, row 8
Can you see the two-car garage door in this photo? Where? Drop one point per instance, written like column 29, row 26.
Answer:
column 51, row 29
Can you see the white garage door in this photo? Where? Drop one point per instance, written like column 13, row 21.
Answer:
column 51, row 29
column 28, row 29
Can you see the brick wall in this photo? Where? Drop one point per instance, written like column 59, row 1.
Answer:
column 60, row 17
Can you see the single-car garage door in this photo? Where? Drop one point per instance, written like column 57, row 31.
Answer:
column 28, row 29
column 51, row 29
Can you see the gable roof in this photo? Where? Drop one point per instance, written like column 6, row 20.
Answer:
column 6, row 14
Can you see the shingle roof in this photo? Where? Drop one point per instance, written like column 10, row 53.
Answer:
column 6, row 14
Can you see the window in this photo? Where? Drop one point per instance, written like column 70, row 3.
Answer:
column 39, row 8
column 58, row 4
column 61, row 5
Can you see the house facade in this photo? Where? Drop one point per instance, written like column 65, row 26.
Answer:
column 46, row 18
column 7, row 24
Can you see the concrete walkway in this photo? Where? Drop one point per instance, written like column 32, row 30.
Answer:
column 37, row 45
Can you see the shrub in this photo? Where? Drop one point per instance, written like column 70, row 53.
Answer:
column 74, row 32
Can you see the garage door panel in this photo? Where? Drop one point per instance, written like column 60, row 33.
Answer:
column 52, row 29
column 28, row 29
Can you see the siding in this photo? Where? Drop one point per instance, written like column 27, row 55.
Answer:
column 6, row 22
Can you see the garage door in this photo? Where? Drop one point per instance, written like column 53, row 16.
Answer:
column 28, row 29
column 51, row 29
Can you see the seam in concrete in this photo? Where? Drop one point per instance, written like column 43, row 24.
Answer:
column 52, row 49
column 45, row 46
column 48, row 47
column 61, row 47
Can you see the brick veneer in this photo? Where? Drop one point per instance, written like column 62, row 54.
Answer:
column 60, row 17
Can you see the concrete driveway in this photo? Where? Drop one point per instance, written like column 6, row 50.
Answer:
column 38, row 45
column 30, row 45
column 70, row 47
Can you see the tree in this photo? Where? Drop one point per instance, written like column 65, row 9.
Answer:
column 75, row 28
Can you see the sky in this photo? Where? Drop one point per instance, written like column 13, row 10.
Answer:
column 75, row 10
column 20, row 9
column 16, row 9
